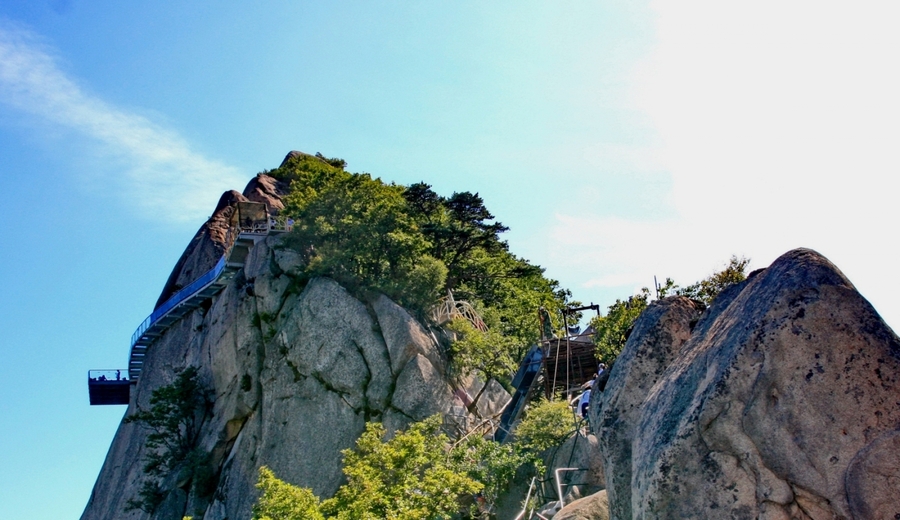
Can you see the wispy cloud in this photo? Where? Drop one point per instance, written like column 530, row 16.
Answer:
column 162, row 178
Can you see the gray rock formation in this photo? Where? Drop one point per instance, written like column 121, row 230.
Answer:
column 593, row 507
column 656, row 339
column 783, row 403
column 294, row 370
column 579, row 451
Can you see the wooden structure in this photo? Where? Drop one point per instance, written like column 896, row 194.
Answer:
column 569, row 363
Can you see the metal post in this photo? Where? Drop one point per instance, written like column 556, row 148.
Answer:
column 559, row 484
column 527, row 498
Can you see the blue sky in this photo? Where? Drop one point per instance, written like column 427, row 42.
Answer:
column 618, row 140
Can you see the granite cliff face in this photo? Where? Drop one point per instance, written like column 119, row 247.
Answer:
column 782, row 401
column 294, row 372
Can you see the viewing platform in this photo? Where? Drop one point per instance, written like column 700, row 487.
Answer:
column 109, row 386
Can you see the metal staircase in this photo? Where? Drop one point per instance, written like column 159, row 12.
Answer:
column 250, row 223
column 525, row 382
column 188, row 299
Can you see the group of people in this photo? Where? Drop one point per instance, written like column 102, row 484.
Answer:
column 103, row 377
column 583, row 401
column 288, row 223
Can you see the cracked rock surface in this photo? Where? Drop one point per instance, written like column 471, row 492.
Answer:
column 782, row 402
column 295, row 371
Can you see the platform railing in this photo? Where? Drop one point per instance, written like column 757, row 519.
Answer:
column 179, row 297
column 108, row 375
column 256, row 230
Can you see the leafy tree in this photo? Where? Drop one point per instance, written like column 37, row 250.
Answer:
column 413, row 244
column 419, row 474
column 174, row 418
column 480, row 268
column 408, row 477
column 492, row 464
column 546, row 424
column 358, row 231
column 333, row 161
column 707, row 289
column 455, row 227
column 488, row 353
column 283, row 501
column 611, row 331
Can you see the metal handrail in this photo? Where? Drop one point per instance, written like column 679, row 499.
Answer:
column 108, row 375
column 447, row 309
column 527, row 498
column 194, row 287
column 562, row 503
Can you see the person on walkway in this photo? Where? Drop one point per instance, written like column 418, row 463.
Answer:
column 584, row 403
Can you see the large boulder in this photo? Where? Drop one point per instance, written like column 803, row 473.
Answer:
column 782, row 404
column 592, row 507
column 579, row 451
column 656, row 339
column 267, row 190
column 204, row 249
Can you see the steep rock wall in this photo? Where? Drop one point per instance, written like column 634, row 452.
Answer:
column 294, row 374
column 783, row 402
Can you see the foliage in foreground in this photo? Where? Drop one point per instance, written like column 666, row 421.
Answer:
column 419, row 473
column 282, row 501
column 407, row 477
column 490, row 353
column 176, row 411
column 547, row 424
column 611, row 331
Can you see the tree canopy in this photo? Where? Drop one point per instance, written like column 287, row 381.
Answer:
column 283, row 501
column 174, row 418
column 414, row 245
column 419, row 473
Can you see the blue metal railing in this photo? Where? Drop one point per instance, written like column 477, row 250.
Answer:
column 177, row 298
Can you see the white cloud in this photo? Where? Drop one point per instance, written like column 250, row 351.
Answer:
column 778, row 124
column 775, row 101
column 162, row 177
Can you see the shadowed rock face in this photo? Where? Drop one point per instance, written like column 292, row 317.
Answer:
column 784, row 402
column 655, row 341
column 208, row 243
